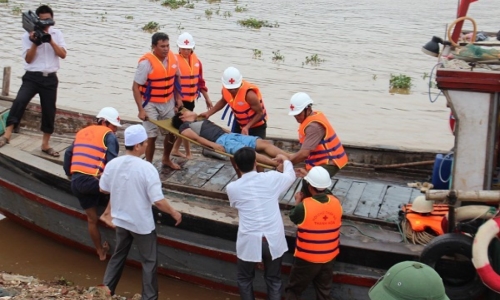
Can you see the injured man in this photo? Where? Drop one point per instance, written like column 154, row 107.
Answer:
column 211, row 135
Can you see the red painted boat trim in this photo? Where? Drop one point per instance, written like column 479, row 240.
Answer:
column 229, row 257
column 487, row 82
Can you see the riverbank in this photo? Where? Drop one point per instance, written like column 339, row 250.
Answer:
column 13, row 286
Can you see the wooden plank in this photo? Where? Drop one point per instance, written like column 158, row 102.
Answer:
column 204, row 176
column 220, row 179
column 353, row 196
column 341, row 188
column 189, row 173
column 28, row 141
column 17, row 139
column 370, row 201
column 288, row 196
column 232, row 179
column 6, row 81
column 394, row 198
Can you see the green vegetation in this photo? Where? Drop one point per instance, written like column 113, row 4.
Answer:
column 227, row 14
column 190, row 5
column 278, row 57
column 257, row 24
column 209, row 13
column 151, row 27
column 16, row 10
column 240, row 8
column 314, row 60
column 180, row 27
column 257, row 53
column 374, row 77
column 213, row 1
column 400, row 81
column 129, row 17
column 4, row 1
column 174, row 4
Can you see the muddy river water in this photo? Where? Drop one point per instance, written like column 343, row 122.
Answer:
column 362, row 44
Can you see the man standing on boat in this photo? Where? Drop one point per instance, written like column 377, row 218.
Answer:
column 134, row 186
column 84, row 162
column 261, row 234
column 246, row 104
column 41, row 62
column 156, row 94
column 318, row 220
column 320, row 144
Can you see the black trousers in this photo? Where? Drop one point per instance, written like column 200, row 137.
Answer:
column 303, row 273
column 45, row 86
column 272, row 275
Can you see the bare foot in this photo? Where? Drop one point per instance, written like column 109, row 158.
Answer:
column 104, row 250
column 171, row 165
column 189, row 156
column 178, row 154
column 106, row 218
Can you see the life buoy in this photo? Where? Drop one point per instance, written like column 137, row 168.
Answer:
column 485, row 234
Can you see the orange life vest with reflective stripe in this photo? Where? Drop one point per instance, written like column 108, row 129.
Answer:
column 329, row 149
column 159, row 87
column 190, row 75
column 421, row 221
column 242, row 111
column 318, row 235
column 89, row 150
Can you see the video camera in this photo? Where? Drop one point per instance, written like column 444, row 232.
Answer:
column 31, row 22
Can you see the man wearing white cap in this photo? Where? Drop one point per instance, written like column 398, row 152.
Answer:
column 134, row 185
column 84, row 162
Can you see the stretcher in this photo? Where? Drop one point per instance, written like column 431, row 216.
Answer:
column 168, row 126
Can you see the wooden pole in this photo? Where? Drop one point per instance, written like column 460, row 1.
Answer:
column 6, row 81
column 473, row 196
column 402, row 165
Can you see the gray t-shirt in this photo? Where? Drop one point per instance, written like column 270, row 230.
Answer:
column 205, row 128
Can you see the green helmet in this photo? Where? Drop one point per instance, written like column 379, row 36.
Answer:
column 409, row 280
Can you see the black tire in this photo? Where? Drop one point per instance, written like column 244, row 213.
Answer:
column 468, row 288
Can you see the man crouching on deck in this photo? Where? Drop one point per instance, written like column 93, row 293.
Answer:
column 209, row 134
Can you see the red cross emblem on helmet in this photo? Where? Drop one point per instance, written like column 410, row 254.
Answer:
column 292, row 107
column 118, row 118
column 231, row 81
column 186, row 42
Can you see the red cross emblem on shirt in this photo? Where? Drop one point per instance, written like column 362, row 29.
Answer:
column 231, row 81
column 186, row 42
column 292, row 107
column 325, row 218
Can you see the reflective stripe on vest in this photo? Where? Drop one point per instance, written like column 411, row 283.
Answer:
column 89, row 150
column 159, row 87
column 242, row 111
column 329, row 149
column 190, row 76
column 318, row 235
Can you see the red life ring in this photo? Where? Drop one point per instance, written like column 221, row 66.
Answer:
column 480, row 259
column 452, row 122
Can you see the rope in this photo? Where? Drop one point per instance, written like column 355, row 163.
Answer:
column 430, row 83
column 422, row 238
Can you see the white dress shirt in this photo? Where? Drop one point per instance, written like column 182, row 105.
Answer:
column 45, row 59
column 255, row 195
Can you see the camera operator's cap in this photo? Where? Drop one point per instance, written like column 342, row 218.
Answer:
column 409, row 280
column 135, row 134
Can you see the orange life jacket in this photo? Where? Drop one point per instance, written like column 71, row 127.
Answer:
column 329, row 149
column 89, row 150
column 190, row 75
column 242, row 111
column 421, row 221
column 159, row 87
column 318, row 235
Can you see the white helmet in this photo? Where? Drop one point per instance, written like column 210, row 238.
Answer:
column 111, row 115
column 422, row 205
column 185, row 41
column 319, row 178
column 298, row 103
column 231, row 78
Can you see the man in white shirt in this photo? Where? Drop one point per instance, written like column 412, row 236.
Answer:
column 134, row 185
column 41, row 64
column 261, row 234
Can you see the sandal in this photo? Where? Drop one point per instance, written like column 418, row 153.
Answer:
column 51, row 152
column 3, row 141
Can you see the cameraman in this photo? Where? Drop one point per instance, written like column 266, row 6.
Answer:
column 42, row 63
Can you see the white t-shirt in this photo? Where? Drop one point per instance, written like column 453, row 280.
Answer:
column 134, row 185
column 255, row 195
column 45, row 59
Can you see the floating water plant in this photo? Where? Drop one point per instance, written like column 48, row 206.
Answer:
column 213, row 1
column 278, row 57
column 257, row 24
column 151, row 27
column 227, row 14
column 400, row 81
column 190, row 5
column 4, row 1
column 257, row 53
column 314, row 60
column 209, row 13
column 174, row 4
column 16, row 10
column 129, row 17
column 240, row 9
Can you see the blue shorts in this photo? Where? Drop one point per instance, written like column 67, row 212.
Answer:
column 233, row 142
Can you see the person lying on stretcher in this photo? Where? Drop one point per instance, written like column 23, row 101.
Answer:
column 211, row 135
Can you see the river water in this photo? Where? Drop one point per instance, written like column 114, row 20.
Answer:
column 362, row 43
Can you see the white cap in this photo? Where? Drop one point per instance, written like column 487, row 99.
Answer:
column 135, row 134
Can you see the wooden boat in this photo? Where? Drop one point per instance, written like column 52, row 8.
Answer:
column 35, row 193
